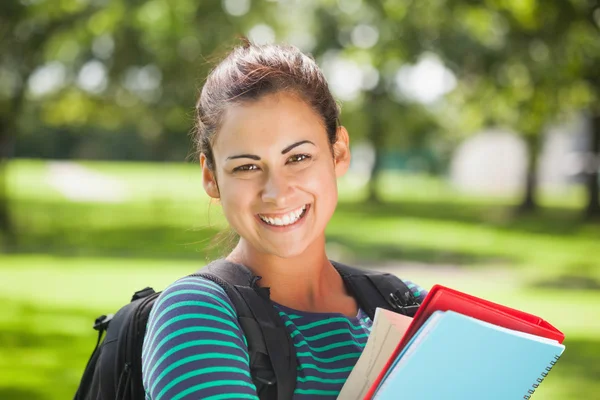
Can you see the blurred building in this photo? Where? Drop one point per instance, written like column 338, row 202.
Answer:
column 495, row 161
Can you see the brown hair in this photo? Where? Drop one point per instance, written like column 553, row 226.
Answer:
column 250, row 72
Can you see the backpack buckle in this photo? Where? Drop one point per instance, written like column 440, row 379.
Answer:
column 101, row 323
column 408, row 310
column 404, row 303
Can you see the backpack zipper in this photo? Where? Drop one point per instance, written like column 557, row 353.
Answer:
column 123, row 382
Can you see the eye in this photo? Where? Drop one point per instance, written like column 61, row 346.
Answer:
column 246, row 167
column 296, row 158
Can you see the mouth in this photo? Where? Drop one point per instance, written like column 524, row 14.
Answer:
column 285, row 220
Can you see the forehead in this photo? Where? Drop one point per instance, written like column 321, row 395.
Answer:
column 273, row 120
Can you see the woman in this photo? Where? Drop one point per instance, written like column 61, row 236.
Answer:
column 271, row 150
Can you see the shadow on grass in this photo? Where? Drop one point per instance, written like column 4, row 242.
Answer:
column 143, row 242
column 548, row 221
column 18, row 393
column 148, row 230
column 175, row 243
column 580, row 362
column 572, row 281
column 160, row 229
column 356, row 251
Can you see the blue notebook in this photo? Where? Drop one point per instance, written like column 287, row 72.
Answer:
column 455, row 357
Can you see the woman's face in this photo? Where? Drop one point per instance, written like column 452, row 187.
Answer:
column 275, row 173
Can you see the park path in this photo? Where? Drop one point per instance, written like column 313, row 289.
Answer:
column 446, row 273
column 78, row 183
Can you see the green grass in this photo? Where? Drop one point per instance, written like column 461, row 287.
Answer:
column 49, row 304
column 74, row 261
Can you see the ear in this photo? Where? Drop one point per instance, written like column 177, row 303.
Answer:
column 341, row 152
column 209, row 180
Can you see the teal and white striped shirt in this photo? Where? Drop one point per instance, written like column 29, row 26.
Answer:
column 195, row 348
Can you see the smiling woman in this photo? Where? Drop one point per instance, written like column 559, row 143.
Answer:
column 271, row 149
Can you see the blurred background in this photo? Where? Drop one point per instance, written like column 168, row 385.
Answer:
column 475, row 130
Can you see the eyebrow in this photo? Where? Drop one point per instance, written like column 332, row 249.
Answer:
column 290, row 147
column 284, row 151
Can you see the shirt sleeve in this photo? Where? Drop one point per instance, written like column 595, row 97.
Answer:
column 417, row 291
column 194, row 347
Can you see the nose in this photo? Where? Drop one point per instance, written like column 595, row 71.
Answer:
column 277, row 190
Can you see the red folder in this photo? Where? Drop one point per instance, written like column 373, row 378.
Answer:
column 441, row 298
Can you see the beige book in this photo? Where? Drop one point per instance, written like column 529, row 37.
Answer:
column 387, row 331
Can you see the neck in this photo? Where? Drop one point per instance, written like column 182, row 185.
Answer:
column 303, row 282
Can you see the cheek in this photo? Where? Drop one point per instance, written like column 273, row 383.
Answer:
column 236, row 195
column 323, row 182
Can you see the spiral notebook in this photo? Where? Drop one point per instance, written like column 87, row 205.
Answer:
column 453, row 356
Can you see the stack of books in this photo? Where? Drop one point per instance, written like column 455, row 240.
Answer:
column 457, row 346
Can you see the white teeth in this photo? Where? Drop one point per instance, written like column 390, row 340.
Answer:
column 287, row 219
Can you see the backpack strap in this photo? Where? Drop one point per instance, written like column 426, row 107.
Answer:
column 374, row 289
column 272, row 365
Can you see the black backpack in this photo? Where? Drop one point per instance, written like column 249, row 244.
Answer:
column 114, row 370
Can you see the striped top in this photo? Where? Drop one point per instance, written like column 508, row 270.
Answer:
column 194, row 347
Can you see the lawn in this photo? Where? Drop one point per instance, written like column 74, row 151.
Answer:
column 76, row 260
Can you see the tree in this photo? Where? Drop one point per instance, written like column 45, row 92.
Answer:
column 137, row 65
column 26, row 30
column 524, row 65
column 519, row 64
column 365, row 36
column 112, row 66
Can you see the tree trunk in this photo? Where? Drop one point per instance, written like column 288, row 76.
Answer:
column 374, row 196
column 8, row 127
column 5, row 224
column 529, row 202
column 593, row 188
column 376, row 137
column 7, row 234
